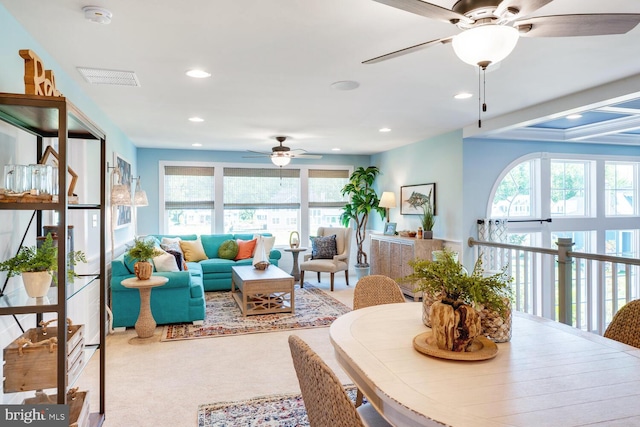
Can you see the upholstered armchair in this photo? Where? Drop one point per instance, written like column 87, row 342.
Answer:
column 333, row 264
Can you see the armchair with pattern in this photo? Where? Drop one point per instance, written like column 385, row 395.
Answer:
column 329, row 262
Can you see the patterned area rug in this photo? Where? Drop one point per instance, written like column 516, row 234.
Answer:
column 278, row 410
column 314, row 309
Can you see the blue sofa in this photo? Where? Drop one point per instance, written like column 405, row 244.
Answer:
column 181, row 299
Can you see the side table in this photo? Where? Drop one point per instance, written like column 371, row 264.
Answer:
column 146, row 324
column 295, row 271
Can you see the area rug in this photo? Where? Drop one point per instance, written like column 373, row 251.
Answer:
column 314, row 308
column 277, row 410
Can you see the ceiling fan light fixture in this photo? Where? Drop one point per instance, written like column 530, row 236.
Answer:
column 485, row 44
column 280, row 159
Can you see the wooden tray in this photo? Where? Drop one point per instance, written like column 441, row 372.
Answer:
column 482, row 348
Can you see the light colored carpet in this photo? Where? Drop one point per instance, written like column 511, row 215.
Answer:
column 282, row 410
column 313, row 308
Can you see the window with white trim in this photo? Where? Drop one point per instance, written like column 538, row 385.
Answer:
column 620, row 185
column 188, row 199
column 569, row 188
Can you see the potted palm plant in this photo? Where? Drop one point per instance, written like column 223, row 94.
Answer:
column 142, row 250
column 362, row 201
column 38, row 265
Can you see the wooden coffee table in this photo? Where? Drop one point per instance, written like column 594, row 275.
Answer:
column 262, row 291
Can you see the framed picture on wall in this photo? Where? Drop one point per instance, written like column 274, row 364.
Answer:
column 123, row 213
column 410, row 193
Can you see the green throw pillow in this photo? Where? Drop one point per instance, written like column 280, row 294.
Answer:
column 228, row 249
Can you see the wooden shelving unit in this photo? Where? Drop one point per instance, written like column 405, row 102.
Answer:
column 56, row 117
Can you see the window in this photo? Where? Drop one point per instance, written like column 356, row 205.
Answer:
column 569, row 188
column 325, row 199
column 620, row 188
column 261, row 200
column 188, row 199
column 513, row 196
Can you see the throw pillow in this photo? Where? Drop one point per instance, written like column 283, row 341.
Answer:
column 193, row 250
column 179, row 259
column 245, row 248
column 171, row 244
column 228, row 249
column 165, row 262
column 324, row 247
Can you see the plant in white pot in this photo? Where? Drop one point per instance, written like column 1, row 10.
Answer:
column 362, row 201
column 38, row 266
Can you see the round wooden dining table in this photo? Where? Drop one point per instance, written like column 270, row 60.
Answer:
column 549, row 374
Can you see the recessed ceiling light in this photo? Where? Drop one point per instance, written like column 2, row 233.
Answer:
column 384, row 130
column 335, row 149
column 198, row 74
column 196, row 144
column 574, row 116
column 463, row 95
column 196, row 119
column 345, row 85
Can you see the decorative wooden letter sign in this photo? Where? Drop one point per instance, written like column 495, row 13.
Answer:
column 37, row 80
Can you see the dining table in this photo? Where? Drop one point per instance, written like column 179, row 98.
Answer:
column 549, row 374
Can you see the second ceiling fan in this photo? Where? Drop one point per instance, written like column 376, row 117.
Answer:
column 281, row 155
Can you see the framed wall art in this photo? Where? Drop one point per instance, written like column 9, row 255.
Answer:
column 409, row 193
column 123, row 213
column 390, row 229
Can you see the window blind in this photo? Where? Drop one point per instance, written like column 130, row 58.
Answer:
column 188, row 187
column 258, row 188
column 325, row 186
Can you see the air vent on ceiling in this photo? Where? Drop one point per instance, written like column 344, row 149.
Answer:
column 98, row 76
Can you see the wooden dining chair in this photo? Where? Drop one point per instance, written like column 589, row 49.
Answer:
column 327, row 404
column 625, row 325
column 375, row 290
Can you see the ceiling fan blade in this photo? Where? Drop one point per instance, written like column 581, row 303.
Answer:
column 259, row 152
column 524, row 7
column 307, row 156
column 407, row 50
column 577, row 25
column 253, row 157
column 428, row 10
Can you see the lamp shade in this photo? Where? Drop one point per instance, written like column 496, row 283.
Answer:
column 486, row 44
column 388, row 200
column 140, row 196
column 280, row 159
column 120, row 195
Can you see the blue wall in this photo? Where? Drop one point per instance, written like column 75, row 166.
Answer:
column 436, row 159
column 148, row 169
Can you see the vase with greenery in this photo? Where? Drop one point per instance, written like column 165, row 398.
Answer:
column 38, row 266
column 143, row 250
column 362, row 201
column 427, row 219
column 445, row 282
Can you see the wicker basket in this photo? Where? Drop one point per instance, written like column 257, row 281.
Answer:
column 261, row 265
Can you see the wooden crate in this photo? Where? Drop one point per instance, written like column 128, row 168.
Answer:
column 34, row 366
column 78, row 402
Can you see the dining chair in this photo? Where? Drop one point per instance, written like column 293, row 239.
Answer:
column 327, row 404
column 330, row 263
column 375, row 290
column 625, row 325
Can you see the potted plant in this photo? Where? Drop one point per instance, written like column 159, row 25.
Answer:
column 362, row 200
column 38, row 265
column 423, row 202
column 143, row 250
column 448, row 291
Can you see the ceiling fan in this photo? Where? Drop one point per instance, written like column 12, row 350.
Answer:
column 281, row 155
column 491, row 28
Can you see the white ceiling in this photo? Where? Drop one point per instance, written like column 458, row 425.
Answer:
column 273, row 62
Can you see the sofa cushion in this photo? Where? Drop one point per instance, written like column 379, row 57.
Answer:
column 245, row 248
column 217, row 265
column 193, row 250
column 212, row 242
column 324, row 247
column 228, row 249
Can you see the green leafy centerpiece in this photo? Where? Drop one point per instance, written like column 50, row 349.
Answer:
column 143, row 250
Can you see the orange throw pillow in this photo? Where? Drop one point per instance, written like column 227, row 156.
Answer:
column 245, row 248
